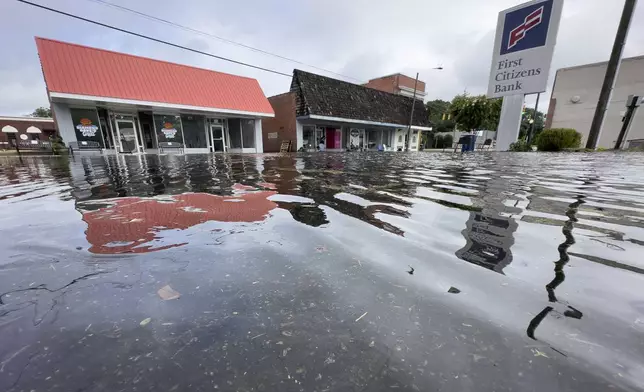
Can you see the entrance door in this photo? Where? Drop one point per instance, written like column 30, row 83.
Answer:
column 107, row 135
column 127, row 136
column 217, row 138
column 356, row 139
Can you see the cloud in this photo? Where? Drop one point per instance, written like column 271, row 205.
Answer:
column 359, row 38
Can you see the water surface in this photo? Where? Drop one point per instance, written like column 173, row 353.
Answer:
column 323, row 272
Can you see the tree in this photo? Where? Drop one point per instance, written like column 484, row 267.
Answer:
column 492, row 122
column 436, row 109
column 539, row 120
column 475, row 112
column 440, row 116
column 41, row 112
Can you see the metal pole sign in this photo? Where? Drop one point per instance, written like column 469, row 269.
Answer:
column 525, row 41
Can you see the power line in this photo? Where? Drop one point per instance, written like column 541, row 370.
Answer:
column 153, row 39
column 190, row 29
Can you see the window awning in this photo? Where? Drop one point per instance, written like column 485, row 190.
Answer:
column 33, row 130
column 9, row 129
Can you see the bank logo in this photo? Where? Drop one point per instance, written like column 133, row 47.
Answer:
column 526, row 28
column 531, row 21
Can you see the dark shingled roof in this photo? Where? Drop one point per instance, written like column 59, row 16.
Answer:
column 323, row 96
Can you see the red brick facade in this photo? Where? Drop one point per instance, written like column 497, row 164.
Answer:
column 283, row 125
column 392, row 83
column 386, row 84
column 406, row 81
column 21, row 124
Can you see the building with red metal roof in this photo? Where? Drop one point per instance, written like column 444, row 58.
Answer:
column 133, row 104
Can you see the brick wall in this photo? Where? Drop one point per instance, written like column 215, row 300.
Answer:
column 387, row 84
column 409, row 82
column 47, row 129
column 392, row 83
column 283, row 123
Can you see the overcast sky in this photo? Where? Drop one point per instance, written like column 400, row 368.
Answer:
column 357, row 38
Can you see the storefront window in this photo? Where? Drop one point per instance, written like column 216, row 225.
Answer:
column 86, row 125
column 168, row 128
column 308, row 132
column 248, row 133
column 234, row 131
column 194, row 132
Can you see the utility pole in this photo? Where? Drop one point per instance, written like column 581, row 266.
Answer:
column 611, row 73
column 411, row 116
column 534, row 119
column 632, row 103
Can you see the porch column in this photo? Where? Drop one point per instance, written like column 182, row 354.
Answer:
column 299, row 134
column 259, row 141
column 64, row 123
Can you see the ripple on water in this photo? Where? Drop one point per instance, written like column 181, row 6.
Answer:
column 324, row 271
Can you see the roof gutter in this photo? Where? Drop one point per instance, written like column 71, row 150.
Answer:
column 363, row 122
column 161, row 105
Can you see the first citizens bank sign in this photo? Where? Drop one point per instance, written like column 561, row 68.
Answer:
column 525, row 41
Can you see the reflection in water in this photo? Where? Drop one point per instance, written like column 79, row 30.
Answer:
column 560, row 275
column 129, row 225
column 488, row 241
column 345, row 271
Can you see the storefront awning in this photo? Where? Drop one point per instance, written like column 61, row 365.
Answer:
column 33, row 129
column 9, row 129
column 362, row 122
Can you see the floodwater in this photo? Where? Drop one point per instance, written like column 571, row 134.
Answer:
column 322, row 272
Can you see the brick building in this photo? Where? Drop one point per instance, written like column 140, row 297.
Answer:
column 28, row 132
column 322, row 113
column 398, row 84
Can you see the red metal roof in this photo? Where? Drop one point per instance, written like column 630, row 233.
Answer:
column 76, row 69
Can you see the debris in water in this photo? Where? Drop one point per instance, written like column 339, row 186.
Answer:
column 145, row 322
column 453, row 290
column 538, row 353
column 167, row 293
column 411, row 270
column 360, row 318
column 330, row 359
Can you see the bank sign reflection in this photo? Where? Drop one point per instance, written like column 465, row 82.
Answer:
column 136, row 224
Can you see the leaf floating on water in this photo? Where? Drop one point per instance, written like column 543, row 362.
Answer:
column 538, row 353
column 167, row 293
column 360, row 318
column 453, row 290
column 145, row 322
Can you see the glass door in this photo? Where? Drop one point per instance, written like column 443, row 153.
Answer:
column 356, row 139
column 217, row 138
column 139, row 136
column 127, row 136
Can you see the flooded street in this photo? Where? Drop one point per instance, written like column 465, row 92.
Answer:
column 322, row 272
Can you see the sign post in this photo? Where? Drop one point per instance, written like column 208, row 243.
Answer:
column 525, row 41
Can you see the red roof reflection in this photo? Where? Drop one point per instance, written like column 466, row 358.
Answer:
column 130, row 223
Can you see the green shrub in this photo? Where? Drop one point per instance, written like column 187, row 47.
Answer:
column 520, row 146
column 441, row 141
column 557, row 139
column 448, row 140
